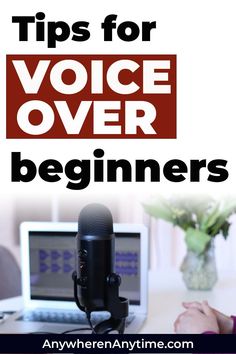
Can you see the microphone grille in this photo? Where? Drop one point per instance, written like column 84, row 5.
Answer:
column 95, row 219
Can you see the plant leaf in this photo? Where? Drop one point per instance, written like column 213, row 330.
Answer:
column 225, row 229
column 196, row 240
column 160, row 211
column 210, row 218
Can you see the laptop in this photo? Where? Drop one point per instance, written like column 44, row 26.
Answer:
column 48, row 260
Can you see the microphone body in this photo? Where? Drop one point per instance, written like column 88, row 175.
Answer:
column 95, row 264
column 96, row 256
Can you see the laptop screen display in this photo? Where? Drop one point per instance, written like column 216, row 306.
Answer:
column 52, row 261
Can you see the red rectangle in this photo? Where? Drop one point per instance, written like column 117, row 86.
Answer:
column 91, row 96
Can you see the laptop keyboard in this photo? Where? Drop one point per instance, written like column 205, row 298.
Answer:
column 53, row 317
column 67, row 317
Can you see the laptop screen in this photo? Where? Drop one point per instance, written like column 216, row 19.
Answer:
column 52, row 261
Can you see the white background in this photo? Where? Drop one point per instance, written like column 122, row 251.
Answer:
column 202, row 35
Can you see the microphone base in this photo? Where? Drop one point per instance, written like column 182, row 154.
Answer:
column 117, row 306
column 110, row 325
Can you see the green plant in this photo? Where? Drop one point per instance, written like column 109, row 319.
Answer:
column 202, row 218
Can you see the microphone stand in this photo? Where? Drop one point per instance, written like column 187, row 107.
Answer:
column 116, row 305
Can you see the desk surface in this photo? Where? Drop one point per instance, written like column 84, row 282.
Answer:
column 166, row 293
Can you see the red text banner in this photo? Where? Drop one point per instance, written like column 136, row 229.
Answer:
column 91, row 96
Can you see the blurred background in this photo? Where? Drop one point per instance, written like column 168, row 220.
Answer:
column 167, row 246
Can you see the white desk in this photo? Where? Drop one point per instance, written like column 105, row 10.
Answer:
column 166, row 293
